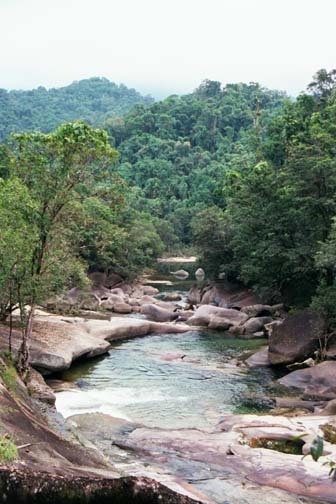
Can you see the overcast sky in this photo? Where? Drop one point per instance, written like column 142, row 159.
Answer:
column 166, row 46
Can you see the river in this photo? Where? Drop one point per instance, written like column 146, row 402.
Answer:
column 173, row 382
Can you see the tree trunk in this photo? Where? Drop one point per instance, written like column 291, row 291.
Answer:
column 23, row 362
column 10, row 324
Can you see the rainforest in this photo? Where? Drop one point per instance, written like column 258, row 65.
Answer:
column 205, row 222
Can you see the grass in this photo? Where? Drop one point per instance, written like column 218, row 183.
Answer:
column 8, row 449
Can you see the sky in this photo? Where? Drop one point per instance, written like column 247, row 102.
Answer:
column 163, row 47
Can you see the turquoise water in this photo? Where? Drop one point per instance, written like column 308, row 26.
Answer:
column 169, row 381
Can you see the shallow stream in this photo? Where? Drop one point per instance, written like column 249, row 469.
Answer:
column 169, row 381
column 175, row 381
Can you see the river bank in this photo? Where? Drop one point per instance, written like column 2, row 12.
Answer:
column 224, row 456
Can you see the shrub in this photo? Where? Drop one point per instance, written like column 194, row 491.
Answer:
column 8, row 449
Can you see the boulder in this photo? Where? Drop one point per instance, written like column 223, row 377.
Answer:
column 122, row 308
column 211, row 294
column 108, row 304
column 329, row 409
column 38, row 388
column 257, row 310
column 185, row 315
column 182, row 274
column 148, row 290
column 158, row 313
column 256, row 324
column 133, row 302
column 202, row 316
column 258, row 359
column 194, row 295
column 236, row 330
column 147, row 300
column 200, row 274
column 171, row 296
column 296, row 338
column 57, row 341
column 218, row 323
column 317, row 383
column 117, row 292
column 269, row 327
column 293, row 402
column 88, row 301
column 258, row 334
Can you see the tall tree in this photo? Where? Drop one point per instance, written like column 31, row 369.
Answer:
column 60, row 170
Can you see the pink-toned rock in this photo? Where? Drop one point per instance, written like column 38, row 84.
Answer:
column 148, row 290
column 296, row 338
column 256, row 324
column 158, row 313
column 202, row 315
column 218, row 323
column 258, row 359
column 122, row 308
column 317, row 382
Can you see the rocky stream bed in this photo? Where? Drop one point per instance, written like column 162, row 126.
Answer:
column 196, row 405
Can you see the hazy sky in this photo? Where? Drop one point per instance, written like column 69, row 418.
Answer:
column 166, row 46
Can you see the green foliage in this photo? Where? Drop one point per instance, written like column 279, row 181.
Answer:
column 8, row 375
column 177, row 151
column 316, row 449
column 212, row 236
column 90, row 100
column 49, row 176
column 8, row 450
column 280, row 210
column 18, row 234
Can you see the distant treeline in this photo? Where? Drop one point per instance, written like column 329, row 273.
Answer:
column 91, row 100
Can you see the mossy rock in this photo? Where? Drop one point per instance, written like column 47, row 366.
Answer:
column 329, row 432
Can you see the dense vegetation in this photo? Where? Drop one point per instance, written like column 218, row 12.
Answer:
column 91, row 100
column 178, row 150
column 63, row 209
column 275, row 227
column 245, row 174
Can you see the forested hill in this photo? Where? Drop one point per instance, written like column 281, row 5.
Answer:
column 178, row 150
column 91, row 100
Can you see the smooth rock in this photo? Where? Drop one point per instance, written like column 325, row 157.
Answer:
column 57, row 340
column 257, row 310
column 183, row 274
column 258, row 359
column 296, row 338
column 148, row 290
column 255, row 335
column 200, row 274
column 158, row 313
column 236, row 330
column 256, row 324
column 202, row 315
column 38, row 387
column 293, row 402
column 194, row 295
column 122, row 308
column 171, row 296
column 329, row 409
column 317, row 383
column 218, row 323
